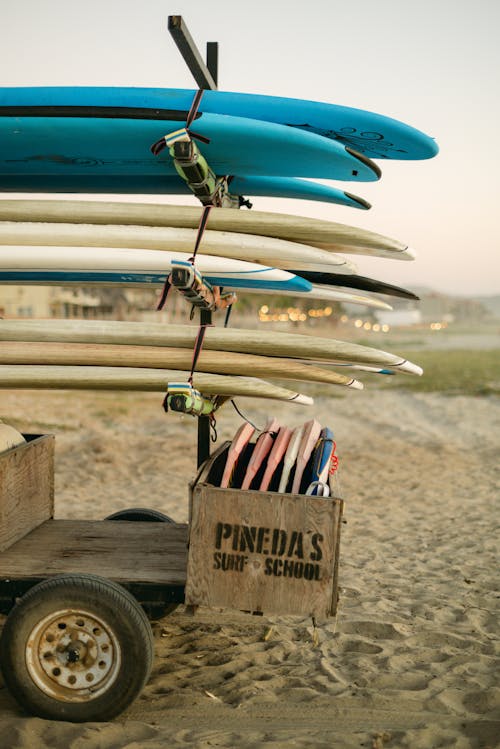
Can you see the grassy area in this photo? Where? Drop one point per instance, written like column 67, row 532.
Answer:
column 466, row 372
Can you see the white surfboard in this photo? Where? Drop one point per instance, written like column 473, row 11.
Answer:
column 248, row 247
column 334, row 294
column 316, row 232
column 129, row 267
column 263, row 342
column 112, row 266
column 161, row 357
column 130, row 378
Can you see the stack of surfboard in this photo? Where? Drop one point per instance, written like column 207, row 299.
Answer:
column 97, row 140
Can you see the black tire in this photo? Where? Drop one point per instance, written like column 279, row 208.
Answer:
column 141, row 514
column 154, row 610
column 76, row 648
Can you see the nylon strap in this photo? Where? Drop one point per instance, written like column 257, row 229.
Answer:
column 192, row 114
column 164, row 294
column 197, row 349
column 201, row 229
column 161, row 144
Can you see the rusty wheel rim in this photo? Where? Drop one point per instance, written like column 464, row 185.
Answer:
column 73, row 655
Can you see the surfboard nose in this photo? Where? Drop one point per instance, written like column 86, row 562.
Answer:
column 410, row 368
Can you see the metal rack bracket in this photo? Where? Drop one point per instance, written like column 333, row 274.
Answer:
column 205, row 76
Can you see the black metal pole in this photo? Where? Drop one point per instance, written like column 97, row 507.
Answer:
column 190, row 53
column 204, row 421
column 205, row 76
column 203, row 439
column 213, row 61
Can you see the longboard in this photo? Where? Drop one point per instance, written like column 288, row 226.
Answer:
column 102, row 141
column 160, row 357
column 370, row 133
column 159, row 184
column 327, row 235
column 248, row 247
column 262, row 342
column 122, row 267
column 103, row 266
column 144, row 380
column 335, row 294
column 355, row 282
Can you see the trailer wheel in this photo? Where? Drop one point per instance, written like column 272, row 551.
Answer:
column 76, row 648
column 154, row 610
column 141, row 514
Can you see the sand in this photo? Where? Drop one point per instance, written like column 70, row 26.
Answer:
column 412, row 658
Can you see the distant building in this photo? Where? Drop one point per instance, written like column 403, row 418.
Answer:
column 53, row 301
column 88, row 303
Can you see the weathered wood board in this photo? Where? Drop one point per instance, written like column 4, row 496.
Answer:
column 146, row 553
column 263, row 551
column 26, row 488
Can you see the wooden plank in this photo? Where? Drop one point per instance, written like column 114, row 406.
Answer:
column 26, row 488
column 263, row 551
column 127, row 552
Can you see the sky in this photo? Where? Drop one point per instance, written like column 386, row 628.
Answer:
column 434, row 64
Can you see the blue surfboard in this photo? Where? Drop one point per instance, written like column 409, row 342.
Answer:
column 160, row 184
column 103, row 141
column 369, row 133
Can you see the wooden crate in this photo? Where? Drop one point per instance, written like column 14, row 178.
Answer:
column 26, row 487
column 263, row 551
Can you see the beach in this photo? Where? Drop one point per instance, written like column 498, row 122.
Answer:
column 412, row 658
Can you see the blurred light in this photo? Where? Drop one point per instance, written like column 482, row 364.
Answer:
column 264, row 309
column 358, row 324
column 367, row 326
column 376, row 327
column 385, row 328
column 327, row 311
column 344, row 318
